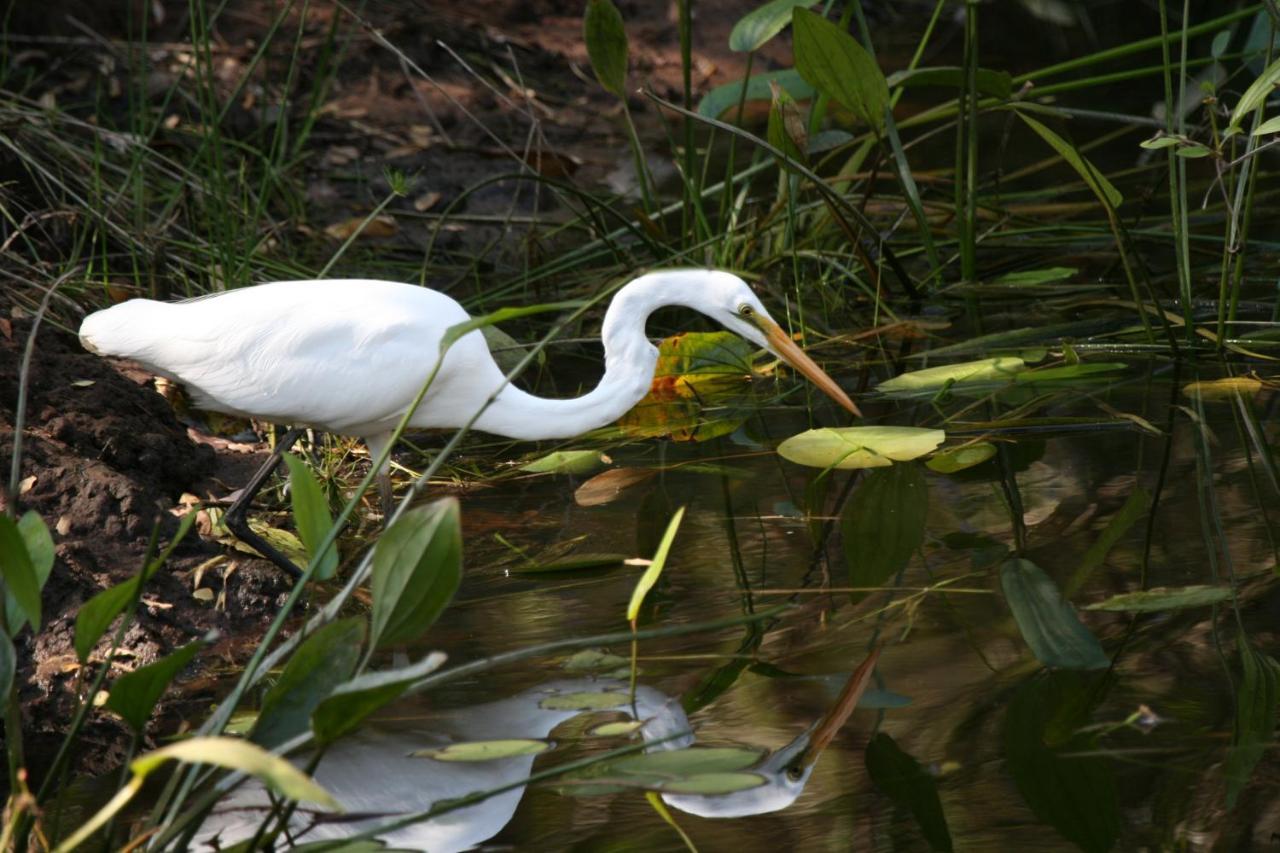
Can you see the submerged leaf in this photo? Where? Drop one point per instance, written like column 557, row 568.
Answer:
column 910, row 786
column 1048, row 622
column 1256, row 698
column 859, row 447
column 485, row 750
column 997, row 369
column 883, row 524
column 1163, row 598
column 606, row 486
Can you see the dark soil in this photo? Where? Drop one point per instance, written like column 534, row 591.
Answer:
column 105, row 461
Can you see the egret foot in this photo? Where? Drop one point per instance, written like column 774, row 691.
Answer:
column 237, row 517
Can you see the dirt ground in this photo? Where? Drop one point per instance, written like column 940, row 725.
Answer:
column 106, row 458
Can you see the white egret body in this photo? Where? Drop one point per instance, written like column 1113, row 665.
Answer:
column 349, row 356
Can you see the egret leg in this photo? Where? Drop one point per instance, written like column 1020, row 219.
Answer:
column 376, row 444
column 237, row 517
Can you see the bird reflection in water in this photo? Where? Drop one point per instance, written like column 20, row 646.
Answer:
column 378, row 779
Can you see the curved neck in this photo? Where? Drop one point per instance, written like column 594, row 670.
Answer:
column 629, row 360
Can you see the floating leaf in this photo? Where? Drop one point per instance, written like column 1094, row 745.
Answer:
column 134, row 695
column 724, row 97
column 593, row 659
column 583, row 701
column 1095, row 180
column 838, row 66
column 910, row 786
column 1164, row 598
column 1075, row 794
column 654, row 570
column 1047, row 622
column 1068, row 372
column 960, row 458
column 860, row 447
column 761, row 24
column 998, row 369
column 349, row 704
column 606, row 486
column 311, row 515
column 686, row 762
column 997, row 84
column 485, row 750
column 606, row 40
column 1047, row 275
column 620, row 728
column 1256, row 698
column 417, row 566
column 22, row 586
column 1227, row 388
column 883, row 524
column 566, row 462
column 1135, row 507
column 712, row 784
column 325, row 660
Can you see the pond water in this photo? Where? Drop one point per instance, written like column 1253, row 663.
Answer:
column 1021, row 756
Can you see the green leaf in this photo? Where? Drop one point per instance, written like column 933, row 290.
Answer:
column 8, row 666
column 1159, row 142
column 485, row 750
column 1271, row 125
column 1069, row 372
column 1257, row 93
column 566, row 462
column 21, row 583
column 1047, row 275
column 97, row 614
column 1075, row 794
column 134, row 696
column 1193, row 152
column 654, row 570
column 584, row 701
column 786, row 130
column 860, row 447
column 997, row 84
column 1256, row 698
column 960, row 458
column 606, row 39
column 758, row 26
column 344, row 709
column 1135, row 507
column 713, row 784
column 39, row 544
column 883, row 524
column 573, row 562
column 325, row 660
column 417, row 566
column 311, row 515
column 721, row 98
column 1048, row 623
column 1164, row 598
column 839, row 67
column 231, row 753
column 998, row 369
column 910, row 786
column 686, row 762
column 1095, row 180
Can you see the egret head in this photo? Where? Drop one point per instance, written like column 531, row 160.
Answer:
column 730, row 300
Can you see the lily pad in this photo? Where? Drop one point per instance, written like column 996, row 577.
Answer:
column 960, row 458
column 592, row 659
column 983, row 370
column 485, row 750
column 860, row 447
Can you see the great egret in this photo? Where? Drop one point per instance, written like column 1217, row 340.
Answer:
column 378, row 779
column 350, row 355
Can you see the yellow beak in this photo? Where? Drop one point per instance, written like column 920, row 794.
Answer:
column 791, row 353
column 825, row 731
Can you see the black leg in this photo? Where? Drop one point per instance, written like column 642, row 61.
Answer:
column 237, row 517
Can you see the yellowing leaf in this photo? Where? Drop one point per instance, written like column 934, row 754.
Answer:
column 1227, row 388
column 860, row 447
column 650, row 576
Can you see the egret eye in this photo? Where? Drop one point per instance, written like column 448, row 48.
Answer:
column 795, row 772
column 745, row 310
